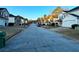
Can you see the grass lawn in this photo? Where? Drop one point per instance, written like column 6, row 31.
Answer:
column 71, row 33
column 11, row 31
column 65, row 31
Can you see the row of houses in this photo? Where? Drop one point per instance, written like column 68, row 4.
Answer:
column 52, row 18
column 60, row 17
column 7, row 19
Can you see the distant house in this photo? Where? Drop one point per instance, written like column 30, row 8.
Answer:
column 4, row 15
column 70, row 17
column 19, row 20
column 25, row 21
column 11, row 20
column 22, row 20
column 54, row 20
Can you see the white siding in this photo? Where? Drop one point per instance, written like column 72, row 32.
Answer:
column 6, row 21
column 69, row 20
column 2, row 22
column 62, row 15
column 22, row 21
column 78, row 21
column 11, row 20
column 76, row 12
column 26, row 22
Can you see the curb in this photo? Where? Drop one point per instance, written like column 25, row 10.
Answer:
column 16, row 33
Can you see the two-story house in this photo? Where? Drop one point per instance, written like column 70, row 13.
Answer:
column 70, row 17
column 25, row 21
column 4, row 15
column 11, row 20
column 19, row 20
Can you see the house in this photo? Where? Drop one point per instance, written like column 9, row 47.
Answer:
column 22, row 20
column 25, row 21
column 55, row 14
column 70, row 17
column 4, row 16
column 19, row 20
column 53, row 18
column 69, row 20
column 11, row 20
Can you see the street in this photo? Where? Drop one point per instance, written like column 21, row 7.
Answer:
column 36, row 39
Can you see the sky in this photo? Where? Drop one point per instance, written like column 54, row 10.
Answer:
column 33, row 12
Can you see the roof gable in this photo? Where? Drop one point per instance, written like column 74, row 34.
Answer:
column 2, row 8
column 76, row 8
column 74, row 15
column 11, row 15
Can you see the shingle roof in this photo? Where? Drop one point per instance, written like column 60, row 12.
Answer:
column 26, row 19
column 75, row 15
column 11, row 15
column 2, row 8
column 72, row 9
column 1, row 11
column 20, row 16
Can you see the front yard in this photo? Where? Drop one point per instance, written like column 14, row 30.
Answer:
column 11, row 31
column 65, row 31
column 70, row 32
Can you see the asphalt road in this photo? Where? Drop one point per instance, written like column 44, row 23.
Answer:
column 36, row 39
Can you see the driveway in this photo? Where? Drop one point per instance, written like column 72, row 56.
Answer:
column 36, row 39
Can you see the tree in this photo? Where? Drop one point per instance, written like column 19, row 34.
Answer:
column 45, row 15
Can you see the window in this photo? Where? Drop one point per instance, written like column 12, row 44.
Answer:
column 77, row 17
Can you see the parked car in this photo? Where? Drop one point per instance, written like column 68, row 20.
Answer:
column 39, row 24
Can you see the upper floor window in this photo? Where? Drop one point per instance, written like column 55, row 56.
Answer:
column 1, row 13
column 77, row 17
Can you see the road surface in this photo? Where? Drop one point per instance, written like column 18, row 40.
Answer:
column 36, row 39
